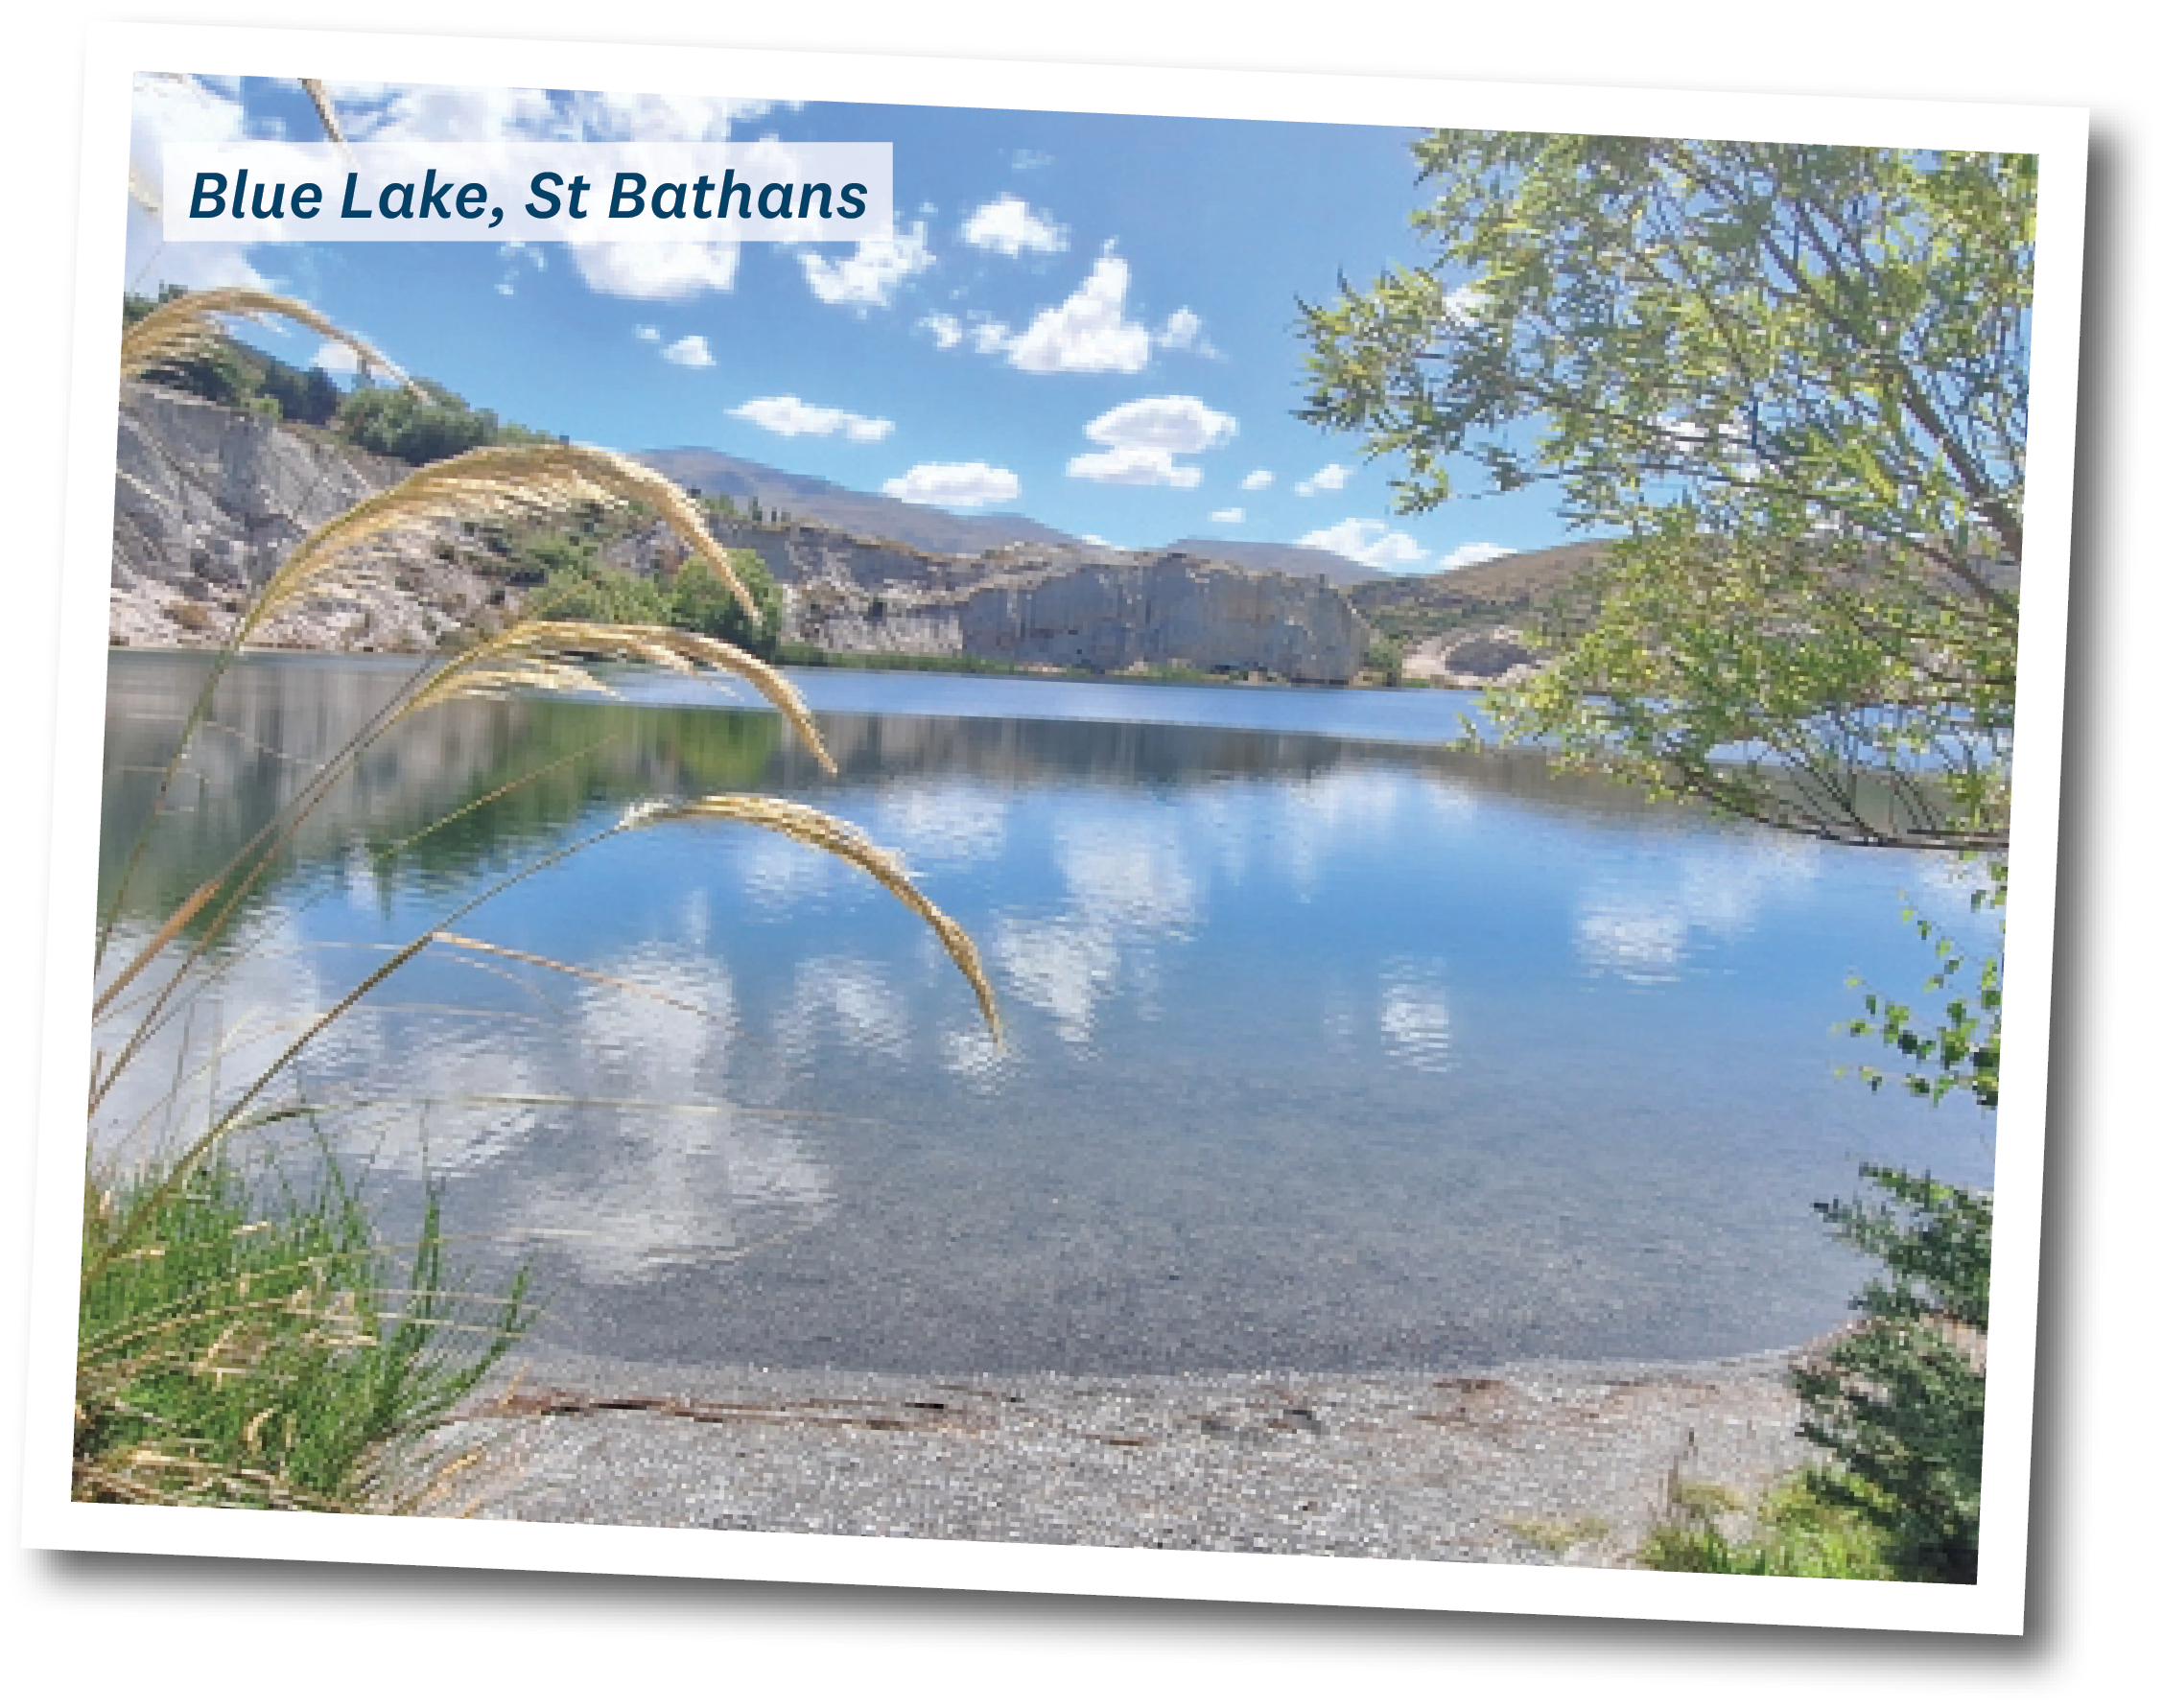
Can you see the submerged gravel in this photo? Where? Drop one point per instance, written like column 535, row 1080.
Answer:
column 1524, row 1464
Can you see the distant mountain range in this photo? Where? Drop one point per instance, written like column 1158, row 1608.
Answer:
column 809, row 499
column 1332, row 567
column 1508, row 585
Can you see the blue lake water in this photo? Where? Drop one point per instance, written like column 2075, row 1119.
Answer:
column 1328, row 1048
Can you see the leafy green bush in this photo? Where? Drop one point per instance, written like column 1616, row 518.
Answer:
column 392, row 422
column 231, row 373
column 1386, row 657
column 579, row 587
column 1899, row 1403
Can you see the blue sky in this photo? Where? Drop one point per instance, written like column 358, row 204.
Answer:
column 1087, row 318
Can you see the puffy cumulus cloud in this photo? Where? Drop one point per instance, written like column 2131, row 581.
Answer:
column 1473, row 551
column 1330, row 477
column 656, row 273
column 1086, row 334
column 688, row 352
column 868, row 278
column 957, row 485
column 1228, row 516
column 1144, row 439
column 1009, row 226
column 1260, row 480
column 790, row 416
column 1369, row 542
column 1133, row 466
column 1182, row 424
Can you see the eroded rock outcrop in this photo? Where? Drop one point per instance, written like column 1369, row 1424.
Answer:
column 207, row 502
column 1057, row 607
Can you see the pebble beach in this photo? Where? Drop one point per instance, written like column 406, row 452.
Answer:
column 1557, row 1463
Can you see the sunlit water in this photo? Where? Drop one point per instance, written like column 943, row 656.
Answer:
column 1328, row 1048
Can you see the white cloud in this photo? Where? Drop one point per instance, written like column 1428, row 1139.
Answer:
column 790, row 416
column 1472, row 552
column 1144, row 438
column 988, row 336
column 1368, row 542
column 515, row 256
column 688, row 352
column 1009, row 227
column 656, row 273
column 1184, row 424
column 1133, row 466
column 1260, row 481
column 1029, row 159
column 178, row 111
column 1183, row 330
column 1330, row 477
column 1086, row 334
column 961, row 485
column 868, row 278
column 1228, row 516
column 650, row 334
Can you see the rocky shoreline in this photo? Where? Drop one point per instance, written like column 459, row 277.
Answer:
column 1533, row 1463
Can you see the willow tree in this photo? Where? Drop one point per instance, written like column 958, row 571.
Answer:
column 1793, row 381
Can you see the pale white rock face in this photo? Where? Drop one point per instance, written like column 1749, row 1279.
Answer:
column 1105, row 611
column 207, row 502
column 1168, row 610
column 1489, row 658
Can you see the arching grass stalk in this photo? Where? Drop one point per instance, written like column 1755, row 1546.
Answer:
column 236, row 1354
column 176, row 331
column 802, row 824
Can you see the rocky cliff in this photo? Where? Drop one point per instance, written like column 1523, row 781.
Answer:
column 208, row 501
column 1060, row 607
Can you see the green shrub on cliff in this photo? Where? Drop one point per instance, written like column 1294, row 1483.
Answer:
column 579, row 587
column 239, row 377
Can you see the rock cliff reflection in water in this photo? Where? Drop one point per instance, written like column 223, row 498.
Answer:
column 1326, row 1053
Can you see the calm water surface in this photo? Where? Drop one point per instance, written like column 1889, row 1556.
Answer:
column 1328, row 1049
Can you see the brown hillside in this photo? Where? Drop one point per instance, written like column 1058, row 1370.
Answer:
column 1524, row 588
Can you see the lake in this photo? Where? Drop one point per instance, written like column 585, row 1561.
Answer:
column 1329, row 1047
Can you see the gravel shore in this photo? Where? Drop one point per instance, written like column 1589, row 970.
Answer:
column 1525, row 1464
